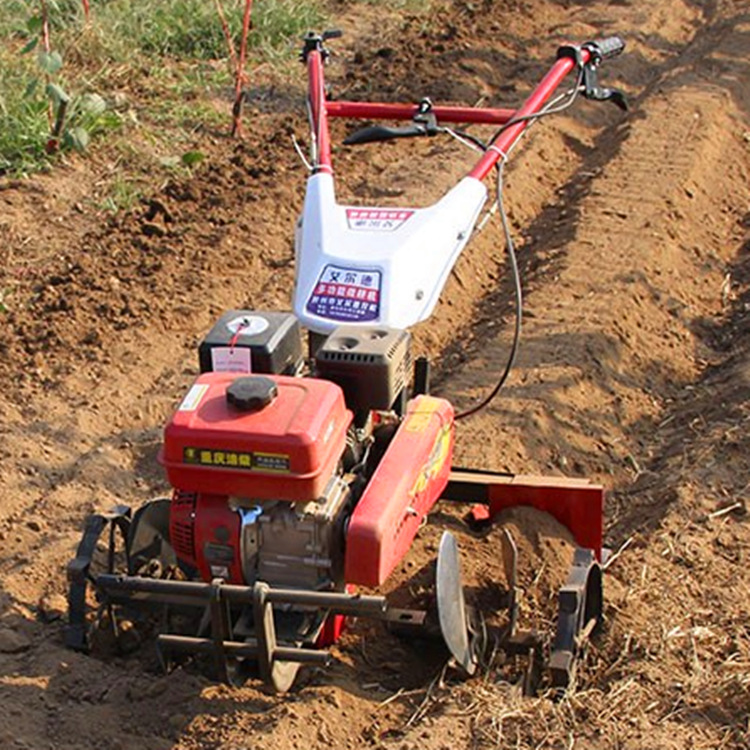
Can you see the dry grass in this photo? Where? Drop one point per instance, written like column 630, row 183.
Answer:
column 658, row 677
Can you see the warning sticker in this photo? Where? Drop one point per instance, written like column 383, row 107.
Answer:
column 271, row 461
column 435, row 462
column 377, row 219
column 220, row 459
column 193, row 398
column 347, row 294
column 419, row 420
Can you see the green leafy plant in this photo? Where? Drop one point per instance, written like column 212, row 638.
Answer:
column 61, row 62
column 38, row 116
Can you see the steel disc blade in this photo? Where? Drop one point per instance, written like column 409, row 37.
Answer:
column 451, row 605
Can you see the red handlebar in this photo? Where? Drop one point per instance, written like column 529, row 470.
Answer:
column 516, row 122
column 499, row 148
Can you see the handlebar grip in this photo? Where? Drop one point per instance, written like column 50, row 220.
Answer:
column 606, row 48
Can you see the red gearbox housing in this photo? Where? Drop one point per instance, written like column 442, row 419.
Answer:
column 408, row 481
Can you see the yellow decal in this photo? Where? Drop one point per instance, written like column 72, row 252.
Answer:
column 418, row 421
column 276, row 462
column 435, row 462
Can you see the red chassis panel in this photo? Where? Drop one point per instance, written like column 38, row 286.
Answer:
column 408, row 481
column 576, row 503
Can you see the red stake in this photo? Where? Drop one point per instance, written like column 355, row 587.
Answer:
column 241, row 79
column 86, row 9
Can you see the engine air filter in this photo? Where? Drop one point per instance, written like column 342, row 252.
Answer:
column 370, row 364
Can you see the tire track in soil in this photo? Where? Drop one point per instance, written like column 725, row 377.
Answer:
column 612, row 229
column 678, row 244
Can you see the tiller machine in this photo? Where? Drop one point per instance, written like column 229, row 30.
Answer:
column 298, row 481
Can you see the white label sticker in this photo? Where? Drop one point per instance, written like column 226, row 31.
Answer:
column 346, row 294
column 250, row 325
column 220, row 571
column 228, row 359
column 193, row 398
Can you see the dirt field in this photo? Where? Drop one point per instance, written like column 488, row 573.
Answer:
column 634, row 242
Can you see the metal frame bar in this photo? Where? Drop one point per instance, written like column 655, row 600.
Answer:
column 391, row 111
column 320, row 109
column 277, row 664
column 197, row 593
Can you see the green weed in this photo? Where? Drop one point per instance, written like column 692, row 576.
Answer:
column 38, row 115
column 280, row 24
column 190, row 29
column 167, row 56
column 24, row 127
column 20, row 17
column 411, row 6
column 122, row 195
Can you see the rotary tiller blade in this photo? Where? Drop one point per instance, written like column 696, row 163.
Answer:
column 452, row 613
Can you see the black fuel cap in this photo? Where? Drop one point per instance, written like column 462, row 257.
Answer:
column 251, row 393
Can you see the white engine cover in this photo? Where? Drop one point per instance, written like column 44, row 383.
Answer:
column 377, row 266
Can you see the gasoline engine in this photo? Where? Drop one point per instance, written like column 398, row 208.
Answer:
column 304, row 480
column 268, row 467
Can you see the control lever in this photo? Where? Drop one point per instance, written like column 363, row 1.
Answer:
column 312, row 41
column 592, row 89
column 602, row 49
column 424, row 122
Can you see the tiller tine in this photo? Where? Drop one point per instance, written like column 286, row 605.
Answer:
column 278, row 662
column 455, row 622
column 580, row 613
column 135, row 542
column 78, row 630
column 510, row 564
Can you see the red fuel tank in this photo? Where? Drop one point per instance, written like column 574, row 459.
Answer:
column 268, row 437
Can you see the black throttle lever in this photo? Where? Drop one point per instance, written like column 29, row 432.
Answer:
column 602, row 49
column 592, row 89
column 424, row 122
column 312, row 41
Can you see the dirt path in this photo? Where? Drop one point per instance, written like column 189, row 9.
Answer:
column 634, row 371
